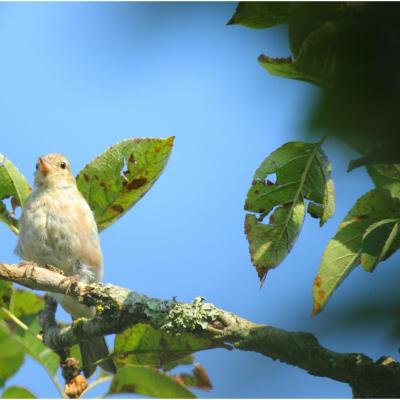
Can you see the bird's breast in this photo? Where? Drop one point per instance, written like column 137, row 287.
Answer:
column 56, row 227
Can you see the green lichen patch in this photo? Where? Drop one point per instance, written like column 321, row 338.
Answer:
column 193, row 317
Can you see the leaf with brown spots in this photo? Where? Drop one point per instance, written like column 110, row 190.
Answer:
column 367, row 235
column 120, row 177
column 302, row 174
column 15, row 187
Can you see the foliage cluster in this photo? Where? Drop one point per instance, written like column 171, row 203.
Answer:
column 145, row 357
column 338, row 47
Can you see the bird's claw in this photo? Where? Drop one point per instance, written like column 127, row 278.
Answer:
column 54, row 269
column 70, row 281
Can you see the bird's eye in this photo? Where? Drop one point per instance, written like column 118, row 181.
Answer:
column 37, row 166
column 63, row 165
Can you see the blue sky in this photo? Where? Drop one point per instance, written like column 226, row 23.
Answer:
column 77, row 77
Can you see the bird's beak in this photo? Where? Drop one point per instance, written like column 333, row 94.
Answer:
column 45, row 167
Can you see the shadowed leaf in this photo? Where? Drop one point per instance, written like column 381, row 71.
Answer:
column 377, row 209
column 15, row 187
column 260, row 14
column 144, row 345
column 384, row 174
column 17, row 392
column 285, row 68
column 302, row 173
column 147, row 381
column 120, row 177
column 378, row 241
column 6, row 291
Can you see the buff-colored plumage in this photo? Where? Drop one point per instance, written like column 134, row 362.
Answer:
column 57, row 228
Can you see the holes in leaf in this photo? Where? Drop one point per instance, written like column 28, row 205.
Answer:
column 124, row 172
column 10, row 207
column 271, row 179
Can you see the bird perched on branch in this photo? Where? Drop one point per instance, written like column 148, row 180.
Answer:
column 57, row 227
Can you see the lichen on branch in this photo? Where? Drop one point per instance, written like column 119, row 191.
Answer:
column 118, row 309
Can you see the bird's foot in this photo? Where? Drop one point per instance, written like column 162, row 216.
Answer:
column 54, row 269
column 29, row 269
column 70, row 282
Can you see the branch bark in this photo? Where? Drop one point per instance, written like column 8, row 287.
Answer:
column 118, row 308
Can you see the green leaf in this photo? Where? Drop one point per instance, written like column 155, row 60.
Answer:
column 285, row 68
column 306, row 18
column 142, row 344
column 378, row 241
column 147, row 381
column 120, row 177
column 6, row 292
column 26, row 302
column 302, row 173
column 17, row 392
column 384, row 174
column 343, row 252
column 11, row 358
column 31, row 345
column 15, row 187
column 260, row 14
column 269, row 244
column 25, row 305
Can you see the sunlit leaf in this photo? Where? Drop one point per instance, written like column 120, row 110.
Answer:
column 260, row 14
column 145, row 345
column 198, row 378
column 11, row 356
column 25, row 305
column 15, row 187
column 302, row 173
column 26, row 302
column 147, row 381
column 343, row 253
column 35, row 347
column 120, row 177
column 17, row 392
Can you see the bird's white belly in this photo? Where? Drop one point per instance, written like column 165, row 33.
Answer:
column 46, row 238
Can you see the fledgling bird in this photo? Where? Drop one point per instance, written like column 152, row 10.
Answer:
column 57, row 227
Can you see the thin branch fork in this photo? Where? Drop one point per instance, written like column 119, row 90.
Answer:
column 118, row 308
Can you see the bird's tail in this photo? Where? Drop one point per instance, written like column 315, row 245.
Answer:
column 92, row 351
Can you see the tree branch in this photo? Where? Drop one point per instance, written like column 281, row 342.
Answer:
column 118, row 308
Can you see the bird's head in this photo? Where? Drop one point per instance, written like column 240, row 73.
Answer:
column 53, row 170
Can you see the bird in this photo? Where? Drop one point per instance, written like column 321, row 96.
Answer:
column 58, row 228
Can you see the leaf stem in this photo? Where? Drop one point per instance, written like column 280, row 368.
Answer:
column 97, row 382
column 301, row 184
column 15, row 319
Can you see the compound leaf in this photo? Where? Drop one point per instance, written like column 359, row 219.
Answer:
column 302, row 173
